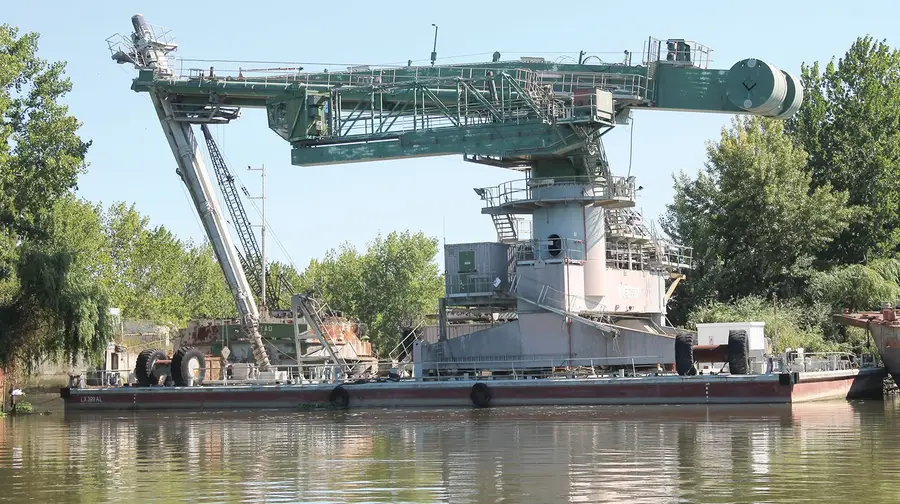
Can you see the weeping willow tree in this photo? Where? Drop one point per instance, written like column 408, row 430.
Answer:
column 58, row 314
column 857, row 286
column 51, row 306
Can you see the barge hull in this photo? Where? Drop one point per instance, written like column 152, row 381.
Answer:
column 670, row 390
column 884, row 327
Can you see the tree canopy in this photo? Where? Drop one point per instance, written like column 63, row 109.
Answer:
column 808, row 211
column 51, row 305
column 394, row 284
column 751, row 215
column 850, row 126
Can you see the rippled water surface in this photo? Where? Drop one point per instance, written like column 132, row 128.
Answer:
column 824, row 452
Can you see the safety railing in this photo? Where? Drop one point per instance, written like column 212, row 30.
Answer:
column 574, row 187
column 623, row 86
column 562, row 366
column 676, row 51
column 469, row 284
column 625, row 223
column 551, row 249
column 822, row 361
column 632, row 245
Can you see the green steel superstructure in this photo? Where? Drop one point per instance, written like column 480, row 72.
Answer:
column 590, row 258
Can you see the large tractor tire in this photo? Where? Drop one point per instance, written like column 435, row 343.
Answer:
column 738, row 352
column 684, row 354
column 143, row 368
column 188, row 367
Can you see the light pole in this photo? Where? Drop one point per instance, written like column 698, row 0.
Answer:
column 262, row 255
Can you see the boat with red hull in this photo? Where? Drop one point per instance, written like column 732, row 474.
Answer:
column 642, row 390
column 884, row 328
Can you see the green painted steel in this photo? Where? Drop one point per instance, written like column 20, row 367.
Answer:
column 466, row 261
column 509, row 111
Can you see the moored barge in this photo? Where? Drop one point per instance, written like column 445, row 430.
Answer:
column 773, row 388
column 884, row 329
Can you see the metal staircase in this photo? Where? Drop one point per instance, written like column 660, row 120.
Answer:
column 626, row 223
column 313, row 311
column 539, row 300
column 505, row 224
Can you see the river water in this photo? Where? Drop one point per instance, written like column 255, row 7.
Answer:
column 822, row 452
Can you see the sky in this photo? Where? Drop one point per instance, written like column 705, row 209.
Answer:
column 313, row 209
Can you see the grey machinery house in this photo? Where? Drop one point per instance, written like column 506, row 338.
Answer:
column 591, row 291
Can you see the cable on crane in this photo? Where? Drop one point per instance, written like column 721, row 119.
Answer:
column 259, row 211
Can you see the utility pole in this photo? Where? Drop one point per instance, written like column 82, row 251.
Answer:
column 434, row 50
column 262, row 255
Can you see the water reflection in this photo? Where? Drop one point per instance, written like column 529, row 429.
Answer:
column 834, row 450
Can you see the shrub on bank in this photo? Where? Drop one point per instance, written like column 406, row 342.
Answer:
column 795, row 325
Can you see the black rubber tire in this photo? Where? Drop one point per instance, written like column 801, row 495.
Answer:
column 143, row 367
column 339, row 397
column 738, row 352
column 684, row 354
column 180, row 362
column 481, row 395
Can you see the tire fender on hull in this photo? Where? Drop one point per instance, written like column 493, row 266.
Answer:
column 339, row 397
column 481, row 395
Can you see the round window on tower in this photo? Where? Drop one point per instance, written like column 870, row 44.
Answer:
column 555, row 245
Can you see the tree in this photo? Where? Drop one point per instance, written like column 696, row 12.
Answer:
column 276, row 270
column 43, row 153
column 53, row 304
column 850, row 126
column 393, row 285
column 206, row 293
column 751, row 215
column 148, row 267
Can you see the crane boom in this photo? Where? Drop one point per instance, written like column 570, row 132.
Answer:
column 513, row 111
column 151, row 54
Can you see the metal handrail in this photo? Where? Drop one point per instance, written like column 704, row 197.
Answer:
column 529, row 189
column 560, row 249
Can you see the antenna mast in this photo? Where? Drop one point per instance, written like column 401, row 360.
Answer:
column 262, row 244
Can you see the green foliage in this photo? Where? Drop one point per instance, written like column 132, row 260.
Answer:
column 60, row 312
column 751, row 216
column 22, row 408
column 393, row 285
column 276, row 269
column 41, row 154
column 856, row 286
column 792, row 324
column 204, row 288
column 52, row 304
column 850, row 125
column 155, row 276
